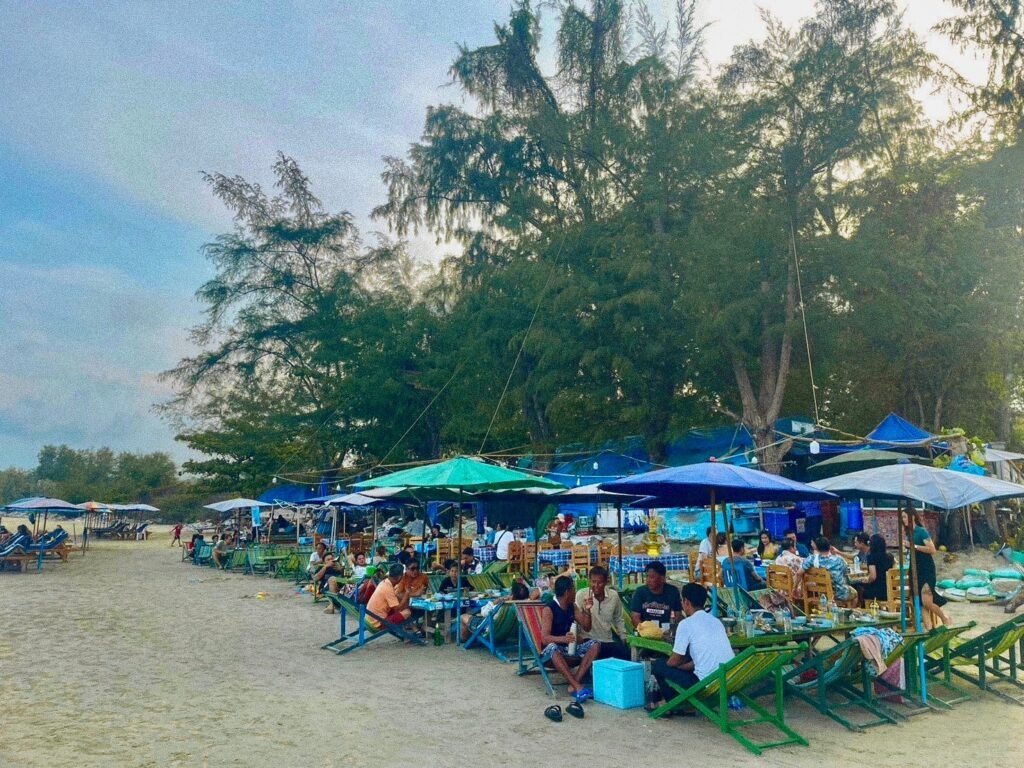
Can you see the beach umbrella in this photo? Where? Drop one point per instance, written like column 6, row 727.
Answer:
column 865, row 458
column 707, row 484
column 230, row 505
column 462, row 475
column 939, row 488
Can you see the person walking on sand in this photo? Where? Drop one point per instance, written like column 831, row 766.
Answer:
column 176, row 539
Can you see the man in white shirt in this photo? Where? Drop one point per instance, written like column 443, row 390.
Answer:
column 701, row 646
column 502, row 538
column 705, row 550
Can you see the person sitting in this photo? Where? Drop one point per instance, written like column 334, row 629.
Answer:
column 386, row 602
column 358, row 565
column 222, row 551
column 879, row 561
column 742, row 565
column 556, row 620
column 191, row 546
column 700, row 647
column 316, row 557
column 469, row 563
column 450, row 583
column 326, row 578
column 722, row 547
column 823, row 557
column 766, row 548
column 407, row 555
column 800, row 548
column 4, row 534
column 470, row 622
column 789, row 558
column 413, row 582
column 436, row 532
column 657, row 600
column 380, row 555
column 862, row 547
column 603, row 605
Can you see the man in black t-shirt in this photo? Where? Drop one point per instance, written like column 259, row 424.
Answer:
column 656, row 600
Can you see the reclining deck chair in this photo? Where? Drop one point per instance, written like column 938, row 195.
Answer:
column 363, row 632
column 530, row 645
column 996, row 655
column 711, row 695
column 827, row 681
column 495, row 630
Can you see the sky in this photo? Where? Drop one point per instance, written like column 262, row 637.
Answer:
column 112, row 109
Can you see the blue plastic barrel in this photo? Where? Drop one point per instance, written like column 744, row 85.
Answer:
column 851, row 516
column 776, row 522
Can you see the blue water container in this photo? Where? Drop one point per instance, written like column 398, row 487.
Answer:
column 851, row 516
column 618, row 683
column 776, row 521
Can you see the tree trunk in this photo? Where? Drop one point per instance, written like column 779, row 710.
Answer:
column 761, row 410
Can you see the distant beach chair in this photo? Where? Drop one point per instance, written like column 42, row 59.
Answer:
column 495, row 630
column 995, row 655
column 530, row 646
column 363, row 632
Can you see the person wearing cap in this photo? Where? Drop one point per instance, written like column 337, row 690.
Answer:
column 386, row 602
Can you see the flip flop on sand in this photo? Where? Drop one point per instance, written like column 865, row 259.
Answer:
column 582, row 695
column 553, row 713
column 575, row 710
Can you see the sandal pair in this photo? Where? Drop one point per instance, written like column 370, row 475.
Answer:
column 554, row 712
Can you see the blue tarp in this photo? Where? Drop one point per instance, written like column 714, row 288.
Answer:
column 895, row 430
column 290, row 494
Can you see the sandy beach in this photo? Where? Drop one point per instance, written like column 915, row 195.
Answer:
column 128, row 657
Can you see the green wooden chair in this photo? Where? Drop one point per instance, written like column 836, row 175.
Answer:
column 434, row 582
column 238, row 562
column 750, row 668
column 828, row 682
column 995, row 657
column 930, row 644
column 202, row 554
column 256, row 555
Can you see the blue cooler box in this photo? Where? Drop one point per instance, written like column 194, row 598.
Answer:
column 619, row 683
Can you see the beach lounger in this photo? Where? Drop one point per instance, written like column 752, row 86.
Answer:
column 994, row 655
column 529, row 646
column 203, row 554
column 349, row 640
column 256, row 559
column 750, row 668
column 828, row 682
column 495, row 630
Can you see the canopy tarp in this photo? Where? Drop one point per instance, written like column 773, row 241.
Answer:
column 895, row 430
column 863, row 458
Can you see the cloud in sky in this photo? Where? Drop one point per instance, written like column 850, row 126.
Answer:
column 111, row 109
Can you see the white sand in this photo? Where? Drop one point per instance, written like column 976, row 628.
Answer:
column 128, row 657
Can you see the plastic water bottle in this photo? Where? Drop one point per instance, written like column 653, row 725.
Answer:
column 748, row 624
column 787, row 622
column 835, row 614
column 856, row 563
column 572, row 645
column 823, row 605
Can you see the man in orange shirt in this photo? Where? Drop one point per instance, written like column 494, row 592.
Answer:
column 386, row 602
column 413, row 583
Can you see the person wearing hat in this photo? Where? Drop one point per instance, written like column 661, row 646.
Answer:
column 386, row 602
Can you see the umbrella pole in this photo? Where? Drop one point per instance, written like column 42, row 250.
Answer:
column 918, row 619
column 457, row 622
column 732, row 557
column 618, row 512
column 970, row 528
column 714, row 556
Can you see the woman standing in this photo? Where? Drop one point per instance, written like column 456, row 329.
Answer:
column 924, row 565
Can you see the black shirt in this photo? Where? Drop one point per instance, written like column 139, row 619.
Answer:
column 659, row 608
column 878, row 589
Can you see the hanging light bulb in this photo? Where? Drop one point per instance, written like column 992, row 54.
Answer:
column 274, row 481
column 815, row 447
column 337, row 489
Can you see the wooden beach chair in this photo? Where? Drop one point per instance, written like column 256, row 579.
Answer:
column 826, row 681
column 203, row 554
column 496, row 630
column 363, row 632
column 736, row 677
column 529, row 614
column 781, row 577
column 817, row 582
column 256, row 559
column 994, row 655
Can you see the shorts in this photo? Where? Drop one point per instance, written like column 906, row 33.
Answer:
column 552, row 648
